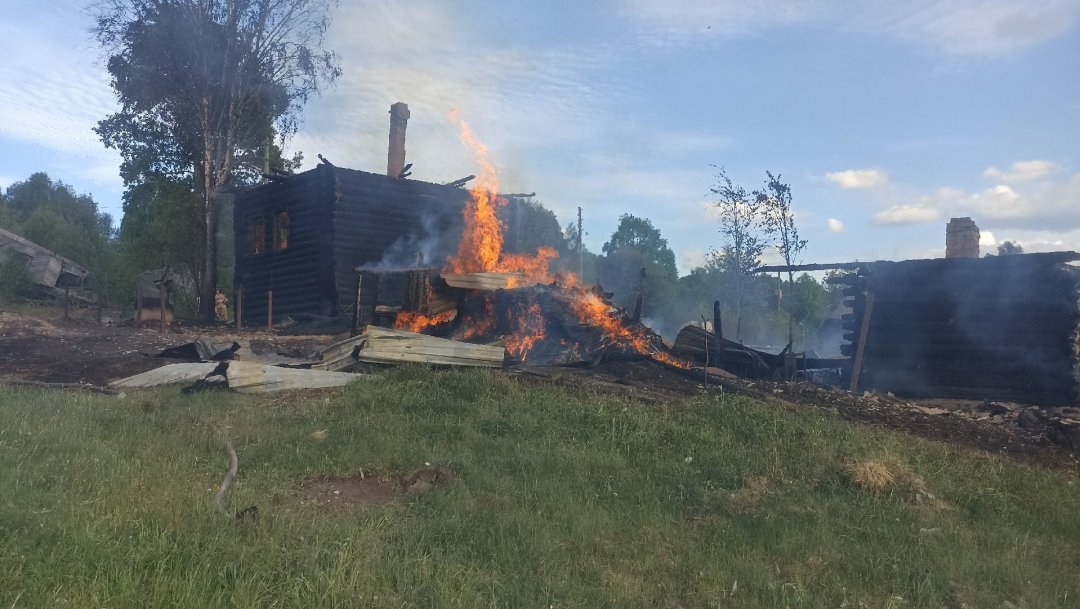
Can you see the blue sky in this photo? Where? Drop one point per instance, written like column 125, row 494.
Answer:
column 887, row 118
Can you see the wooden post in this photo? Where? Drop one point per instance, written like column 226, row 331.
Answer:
column 718, row 331
column 860, row 349
column 161, row 305
column 238, row 305
column 355, row 330
column 375, row 298
column 640, row 297
column 269, row 310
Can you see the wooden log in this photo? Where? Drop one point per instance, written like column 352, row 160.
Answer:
column 387, row 346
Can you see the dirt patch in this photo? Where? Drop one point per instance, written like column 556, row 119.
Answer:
column 360, row 490
column 44, row 346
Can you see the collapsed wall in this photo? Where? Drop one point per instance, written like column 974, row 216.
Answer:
column 996, row 328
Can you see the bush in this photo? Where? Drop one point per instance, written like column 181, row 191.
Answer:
column 15, row 282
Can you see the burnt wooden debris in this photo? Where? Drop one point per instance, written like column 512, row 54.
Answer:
column 995, row 328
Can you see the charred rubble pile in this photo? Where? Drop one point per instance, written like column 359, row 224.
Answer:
column 559, row 323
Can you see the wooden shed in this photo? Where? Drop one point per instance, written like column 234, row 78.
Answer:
column 304, row 236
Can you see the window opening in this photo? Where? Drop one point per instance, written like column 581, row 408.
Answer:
column 281, row 230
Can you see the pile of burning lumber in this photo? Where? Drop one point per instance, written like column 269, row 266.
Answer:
column 560, row 323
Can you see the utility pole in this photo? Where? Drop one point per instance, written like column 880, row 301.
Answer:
column 580, row 250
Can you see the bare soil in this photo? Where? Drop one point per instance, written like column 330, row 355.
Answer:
column 40, row 345
column 359, row 490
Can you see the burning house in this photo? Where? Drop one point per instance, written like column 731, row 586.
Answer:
column 382, row 250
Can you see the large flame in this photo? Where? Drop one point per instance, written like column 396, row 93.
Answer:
column 480, row 250
column 481, row 243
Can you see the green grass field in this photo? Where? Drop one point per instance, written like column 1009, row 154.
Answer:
column 559, row 499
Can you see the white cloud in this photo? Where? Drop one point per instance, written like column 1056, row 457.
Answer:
column 858, row 178
column 1049, row 204
column 908, row 214
column 962, row 28
column 986, row 239
column 835, row 226
column 1000, row 201
column 1021, row 171
column 690, row 258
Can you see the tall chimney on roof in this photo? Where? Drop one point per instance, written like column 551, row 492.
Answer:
column 961, row 239
column 395, row 159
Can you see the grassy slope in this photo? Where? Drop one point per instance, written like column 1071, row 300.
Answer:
column 561, row 500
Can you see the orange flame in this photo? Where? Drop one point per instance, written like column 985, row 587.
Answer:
column 481, row 244
column 415, row 322
column 480, row 250
column 529, row 331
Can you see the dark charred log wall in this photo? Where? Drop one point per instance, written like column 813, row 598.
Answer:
column 998, row 328
column 337, row 219
column 383, row 223
column 300, row 273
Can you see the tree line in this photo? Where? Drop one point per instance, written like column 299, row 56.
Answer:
column 209, row 89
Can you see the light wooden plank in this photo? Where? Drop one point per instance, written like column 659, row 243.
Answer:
column 482, row 281
column 165, row 375
column 387, row 346
column 246, row 377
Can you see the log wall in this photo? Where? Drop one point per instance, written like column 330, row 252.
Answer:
column 997, row 328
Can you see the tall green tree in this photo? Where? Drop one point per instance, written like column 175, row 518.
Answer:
column 202, row 83
column 52, row 215
column 778, row 221
column 636, row 245
column 639, row 235
column 742, row 239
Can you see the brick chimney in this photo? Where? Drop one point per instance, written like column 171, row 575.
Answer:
column 961, row 239
column 395, row 159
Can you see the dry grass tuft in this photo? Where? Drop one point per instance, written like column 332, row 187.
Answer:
column 892, row 476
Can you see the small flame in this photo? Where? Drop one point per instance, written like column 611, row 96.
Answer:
column 415, row 322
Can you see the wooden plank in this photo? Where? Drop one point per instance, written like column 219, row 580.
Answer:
column 246, row 377
column 860, row 350
column 339, row 356
column 483, row 281
column 387, row 346
column 165, row 375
